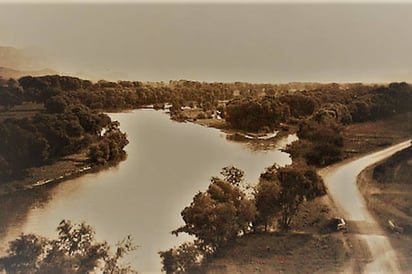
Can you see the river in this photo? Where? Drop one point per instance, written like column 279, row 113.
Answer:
column 167, row 164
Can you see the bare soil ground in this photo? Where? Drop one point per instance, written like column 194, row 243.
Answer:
column 392, row 200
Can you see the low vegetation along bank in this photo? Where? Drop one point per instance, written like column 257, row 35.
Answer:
column 54, row 121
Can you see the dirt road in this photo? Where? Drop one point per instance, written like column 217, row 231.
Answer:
column 341, row 182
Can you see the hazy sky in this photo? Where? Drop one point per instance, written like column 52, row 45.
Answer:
column 266, row 42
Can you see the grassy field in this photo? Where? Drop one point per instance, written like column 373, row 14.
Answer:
column 361, row 138
column 282, row 253
column 26, row 110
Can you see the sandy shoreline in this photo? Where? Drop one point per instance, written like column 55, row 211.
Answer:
column 66, row 168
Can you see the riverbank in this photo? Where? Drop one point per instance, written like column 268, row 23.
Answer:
column 78, row 164
column 35, row 138
column 66, row 168
column 358, row 138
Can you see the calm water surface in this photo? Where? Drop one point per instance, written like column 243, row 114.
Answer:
column 167, row 164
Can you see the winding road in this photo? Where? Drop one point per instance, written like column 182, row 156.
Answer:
column 340, row 180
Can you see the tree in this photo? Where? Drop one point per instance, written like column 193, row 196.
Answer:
column 110, row 148
column 256, row 114
column 295, row 184
column 266, row 195
column 218, row 215
column 57, row 104
column 299, row 105
column 10, row 96
column 182, row 259
column 325, row 144
column 74, row 251
column 24, row 253
column 232, row 175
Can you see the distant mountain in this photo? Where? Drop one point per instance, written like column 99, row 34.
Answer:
column 17, row 59
column 7, row 73
column 15, row 63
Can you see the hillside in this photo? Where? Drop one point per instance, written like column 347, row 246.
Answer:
column 7, row 73
column 15, row 63
column 18, row 59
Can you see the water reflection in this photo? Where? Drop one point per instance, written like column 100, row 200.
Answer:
column 15, row 208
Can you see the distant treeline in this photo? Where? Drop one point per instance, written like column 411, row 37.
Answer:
column 359, row 103
column 253, row 106
column 70, row 122
column 105, row 95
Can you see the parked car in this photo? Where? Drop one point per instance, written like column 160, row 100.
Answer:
column 339, row 224
column 394, row 227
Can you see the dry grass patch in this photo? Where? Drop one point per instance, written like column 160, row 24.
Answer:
column 282, row 253
column 365, row 137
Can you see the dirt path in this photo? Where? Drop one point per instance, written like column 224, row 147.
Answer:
column 341, row 182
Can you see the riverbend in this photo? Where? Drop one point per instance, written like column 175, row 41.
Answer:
column 167, row 164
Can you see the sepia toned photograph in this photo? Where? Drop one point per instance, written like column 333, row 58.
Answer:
column 205, row 136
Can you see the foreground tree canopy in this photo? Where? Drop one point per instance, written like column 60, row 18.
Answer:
column 218, row 215
column 224, row 212
column 74, row 251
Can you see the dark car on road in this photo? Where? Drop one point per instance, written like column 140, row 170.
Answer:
column 338, row 224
